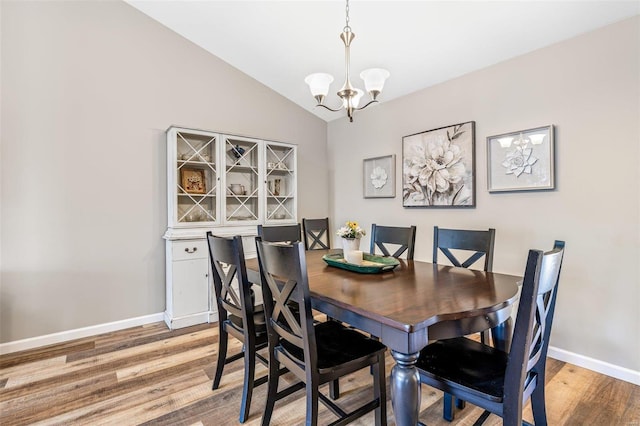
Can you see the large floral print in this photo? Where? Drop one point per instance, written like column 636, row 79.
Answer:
column 438, row 167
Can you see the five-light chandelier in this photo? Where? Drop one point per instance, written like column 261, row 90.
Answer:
column 374, row 79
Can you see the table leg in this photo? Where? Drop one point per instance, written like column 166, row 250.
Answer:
column 405, row 389
column 502, row 334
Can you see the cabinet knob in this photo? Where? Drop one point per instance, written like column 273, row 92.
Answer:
column 193, row 250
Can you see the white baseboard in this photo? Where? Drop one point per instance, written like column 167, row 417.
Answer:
column 185, row 321
column 64, row 336
column 596, row 365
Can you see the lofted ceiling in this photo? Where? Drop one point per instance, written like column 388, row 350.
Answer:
column 422, row 43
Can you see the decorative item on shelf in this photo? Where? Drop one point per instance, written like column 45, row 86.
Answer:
column 237, row 151
column 271, row 165
column 374, row 79
column 350, row 234
column 193, row 181
column 205, row 157
column 277, row 187
column 184, row 157
column 237, row 189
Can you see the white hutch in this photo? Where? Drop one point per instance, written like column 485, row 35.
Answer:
column 225, row 184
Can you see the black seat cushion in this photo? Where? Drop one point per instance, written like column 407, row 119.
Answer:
column 258, row 320
column 337, row 345
column 474, row 365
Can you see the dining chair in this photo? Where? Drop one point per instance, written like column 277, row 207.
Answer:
column 316, row 234
column 316, row 353
column 381, row 236
column 480, row 244
column 237, row 315
column 502, row 382
column 284, row 233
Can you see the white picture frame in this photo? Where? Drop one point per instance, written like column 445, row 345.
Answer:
column 522, row 160
column 379, row 177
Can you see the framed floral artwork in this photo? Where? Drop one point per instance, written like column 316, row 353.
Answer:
column 438, row 167
column 193, row 181
column 380, row 177
column 521, row 161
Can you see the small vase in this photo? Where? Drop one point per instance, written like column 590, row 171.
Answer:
column 350, row 244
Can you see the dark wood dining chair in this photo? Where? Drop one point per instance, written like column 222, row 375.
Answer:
column 405, row 238
column 479, row 243
column 498, row 381
column 237, row 315
column 475, row 245
column 316, row 353
column 284, row 233
column 316, row 234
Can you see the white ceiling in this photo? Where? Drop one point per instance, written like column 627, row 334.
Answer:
column 421, row 43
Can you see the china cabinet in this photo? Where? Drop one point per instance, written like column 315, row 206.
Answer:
column 226, row 184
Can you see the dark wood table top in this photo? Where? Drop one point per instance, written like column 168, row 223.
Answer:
column 412, row 297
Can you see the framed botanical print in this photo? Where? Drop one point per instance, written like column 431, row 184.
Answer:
column 521, row 161
column 438, row 167
column 380, row 177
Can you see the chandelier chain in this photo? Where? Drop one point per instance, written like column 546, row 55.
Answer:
column 347, row 28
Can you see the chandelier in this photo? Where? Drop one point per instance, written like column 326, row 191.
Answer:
column 374, row 79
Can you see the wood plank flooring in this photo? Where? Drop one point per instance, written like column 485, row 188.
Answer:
column 152, row 376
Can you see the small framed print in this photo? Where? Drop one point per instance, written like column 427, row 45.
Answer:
column 521, row 161
column 193, row 181
column 380, row 177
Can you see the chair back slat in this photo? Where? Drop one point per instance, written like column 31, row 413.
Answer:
column 285, row 284
column 287, row 233
column 316, row 234
column 526, row 360
column 400, row 236
column 480, row 243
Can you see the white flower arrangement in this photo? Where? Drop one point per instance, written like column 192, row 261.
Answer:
column 351, row 230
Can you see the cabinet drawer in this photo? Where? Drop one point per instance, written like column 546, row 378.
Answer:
column 189, row 249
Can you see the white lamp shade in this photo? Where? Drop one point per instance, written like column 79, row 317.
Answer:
column 374, row 78
column 319, row 83
column 355, row 100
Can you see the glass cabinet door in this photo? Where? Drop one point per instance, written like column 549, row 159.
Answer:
column 241, row 179
column 196, row 177
column 280, row 180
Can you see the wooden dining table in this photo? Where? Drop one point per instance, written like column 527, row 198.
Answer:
column 409, row 306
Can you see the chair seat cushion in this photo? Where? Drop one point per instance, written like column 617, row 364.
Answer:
column 479, row 368
column 258, row 320
column 337, row 345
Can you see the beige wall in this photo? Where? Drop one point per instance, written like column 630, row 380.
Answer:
column 589, row 88
column 88, row 89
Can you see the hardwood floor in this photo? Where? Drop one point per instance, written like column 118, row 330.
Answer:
column 150, row 375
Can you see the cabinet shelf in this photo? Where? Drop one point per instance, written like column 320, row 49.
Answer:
column 241, row 169
column 203, row 163
column 279, row 171
column 188, row 194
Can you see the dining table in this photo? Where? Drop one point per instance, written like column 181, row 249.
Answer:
column 408, row 306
